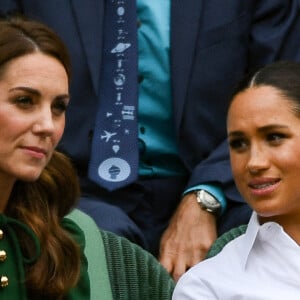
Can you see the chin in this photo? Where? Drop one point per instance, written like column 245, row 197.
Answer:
column 30, row 176
column 267, row 213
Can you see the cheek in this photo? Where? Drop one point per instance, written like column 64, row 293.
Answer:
column 58, row 132
column 287, row 161
column 289, row 167
column 238, row 168
column 237, row 164
column 11, row 128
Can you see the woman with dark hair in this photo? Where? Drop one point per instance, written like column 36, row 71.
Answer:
column 38, row 185
column 263, row 262
column 47, row 249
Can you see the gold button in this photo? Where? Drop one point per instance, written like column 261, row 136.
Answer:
column 2, row 255
column 3, row 281
column 1, row 234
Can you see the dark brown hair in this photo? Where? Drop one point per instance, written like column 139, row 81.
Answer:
column 284, row 76
column 19, row 36
column 42, row 204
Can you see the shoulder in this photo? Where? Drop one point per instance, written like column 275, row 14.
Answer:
column 212, row 276
column 145, row 276
column 132, row 272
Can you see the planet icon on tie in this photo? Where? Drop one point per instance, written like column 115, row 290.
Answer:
column 121, row 47
column 120, row 11
column 119, row 80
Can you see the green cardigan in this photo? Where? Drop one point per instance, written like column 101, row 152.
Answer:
column 13, row 261
column 112, row 267
column 119, row 269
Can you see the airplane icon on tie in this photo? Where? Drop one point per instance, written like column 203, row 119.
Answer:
column 107, row 136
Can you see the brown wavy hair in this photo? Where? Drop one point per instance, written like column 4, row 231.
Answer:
column 42, row 204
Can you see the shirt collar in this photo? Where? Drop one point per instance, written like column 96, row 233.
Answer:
column 257, row 233
column 250, row 236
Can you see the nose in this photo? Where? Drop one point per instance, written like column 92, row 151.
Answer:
column 44, row 123
column 258, row 159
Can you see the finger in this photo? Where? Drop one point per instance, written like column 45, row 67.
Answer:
column 179, row 269
column 166, row 262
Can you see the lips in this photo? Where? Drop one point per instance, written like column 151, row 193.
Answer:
column 264, row 187
column 263, row 183
column 36, row 149
column 35, row 152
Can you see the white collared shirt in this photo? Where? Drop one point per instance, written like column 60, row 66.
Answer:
column 262, row 264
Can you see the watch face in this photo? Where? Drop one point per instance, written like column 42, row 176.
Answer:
column 207, row 201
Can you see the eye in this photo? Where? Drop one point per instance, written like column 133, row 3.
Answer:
column 238, row 144
column 59, row 107
column 275, row 138
column 24, row 102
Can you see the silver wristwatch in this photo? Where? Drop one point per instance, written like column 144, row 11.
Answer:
column 208, row 202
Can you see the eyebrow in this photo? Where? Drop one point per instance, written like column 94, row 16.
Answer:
column 36, row 92
column 26, row 89
column 263, row 129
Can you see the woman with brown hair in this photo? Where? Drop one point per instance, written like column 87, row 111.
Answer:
column 47, row 249
column 38, row 185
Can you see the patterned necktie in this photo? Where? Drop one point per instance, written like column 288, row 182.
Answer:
column 114, row 156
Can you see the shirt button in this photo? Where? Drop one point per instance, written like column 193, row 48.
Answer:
column 3, row 281
column 140, row 78
column 138, row 23
column 142, row 129
column 149, row 163
column 2, row 255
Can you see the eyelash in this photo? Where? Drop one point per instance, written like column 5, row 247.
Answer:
column 275, row 137
column 60, row 105
column 26, row 102
column 239, row 144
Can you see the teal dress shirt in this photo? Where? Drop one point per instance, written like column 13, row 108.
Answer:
column 159, row 155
